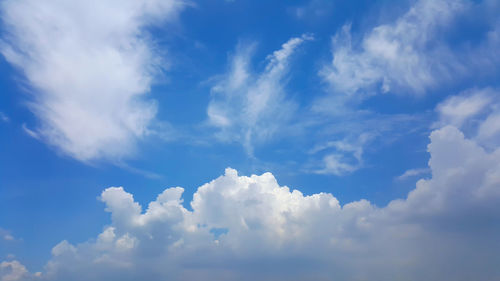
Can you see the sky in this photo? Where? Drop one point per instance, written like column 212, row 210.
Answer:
column 249, row 140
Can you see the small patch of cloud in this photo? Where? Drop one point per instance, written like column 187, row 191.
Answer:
column 6, row 235
column 411, row 173
column 313, row 10
column 30, row 132
column 4, row 118
column 343, row 156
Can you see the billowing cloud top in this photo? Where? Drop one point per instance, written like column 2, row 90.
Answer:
column 251, row 228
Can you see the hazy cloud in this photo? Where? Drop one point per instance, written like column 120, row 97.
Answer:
column 4, row 118
column 411, row 54
column 6, row 235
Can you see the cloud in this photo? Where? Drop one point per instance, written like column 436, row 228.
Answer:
column 415, row 53
column 250, row 107
column 343, row 139
column 4, row 118
column 89, row 65
column 346, row 157
column 313, row 10
column 412, row 54
column 251, row 228
column 413, row 173
column 475, row 111
column 13, row 271
column 6, row 235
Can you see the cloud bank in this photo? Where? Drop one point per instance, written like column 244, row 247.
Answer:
column 88, row 65
column 251, row 228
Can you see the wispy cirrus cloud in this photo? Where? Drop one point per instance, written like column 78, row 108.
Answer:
column 412, row 173
column 89, row 65
column 341, row 157
column 248, row 106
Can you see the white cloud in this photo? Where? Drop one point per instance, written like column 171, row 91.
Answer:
column 476, row 112
column 410, row 55
column 89, row 65
column 342, row 156
column 455, row 110
column 413, row 173
column 446, row 229
column 247, row 106
column 13, row 271
column 489, row 131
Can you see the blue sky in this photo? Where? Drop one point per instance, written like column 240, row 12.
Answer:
column 352, row 129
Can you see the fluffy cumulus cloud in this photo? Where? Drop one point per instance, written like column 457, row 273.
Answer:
column 249, row 107
column 414, row 53
column 251, row 228
column 88, row 65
